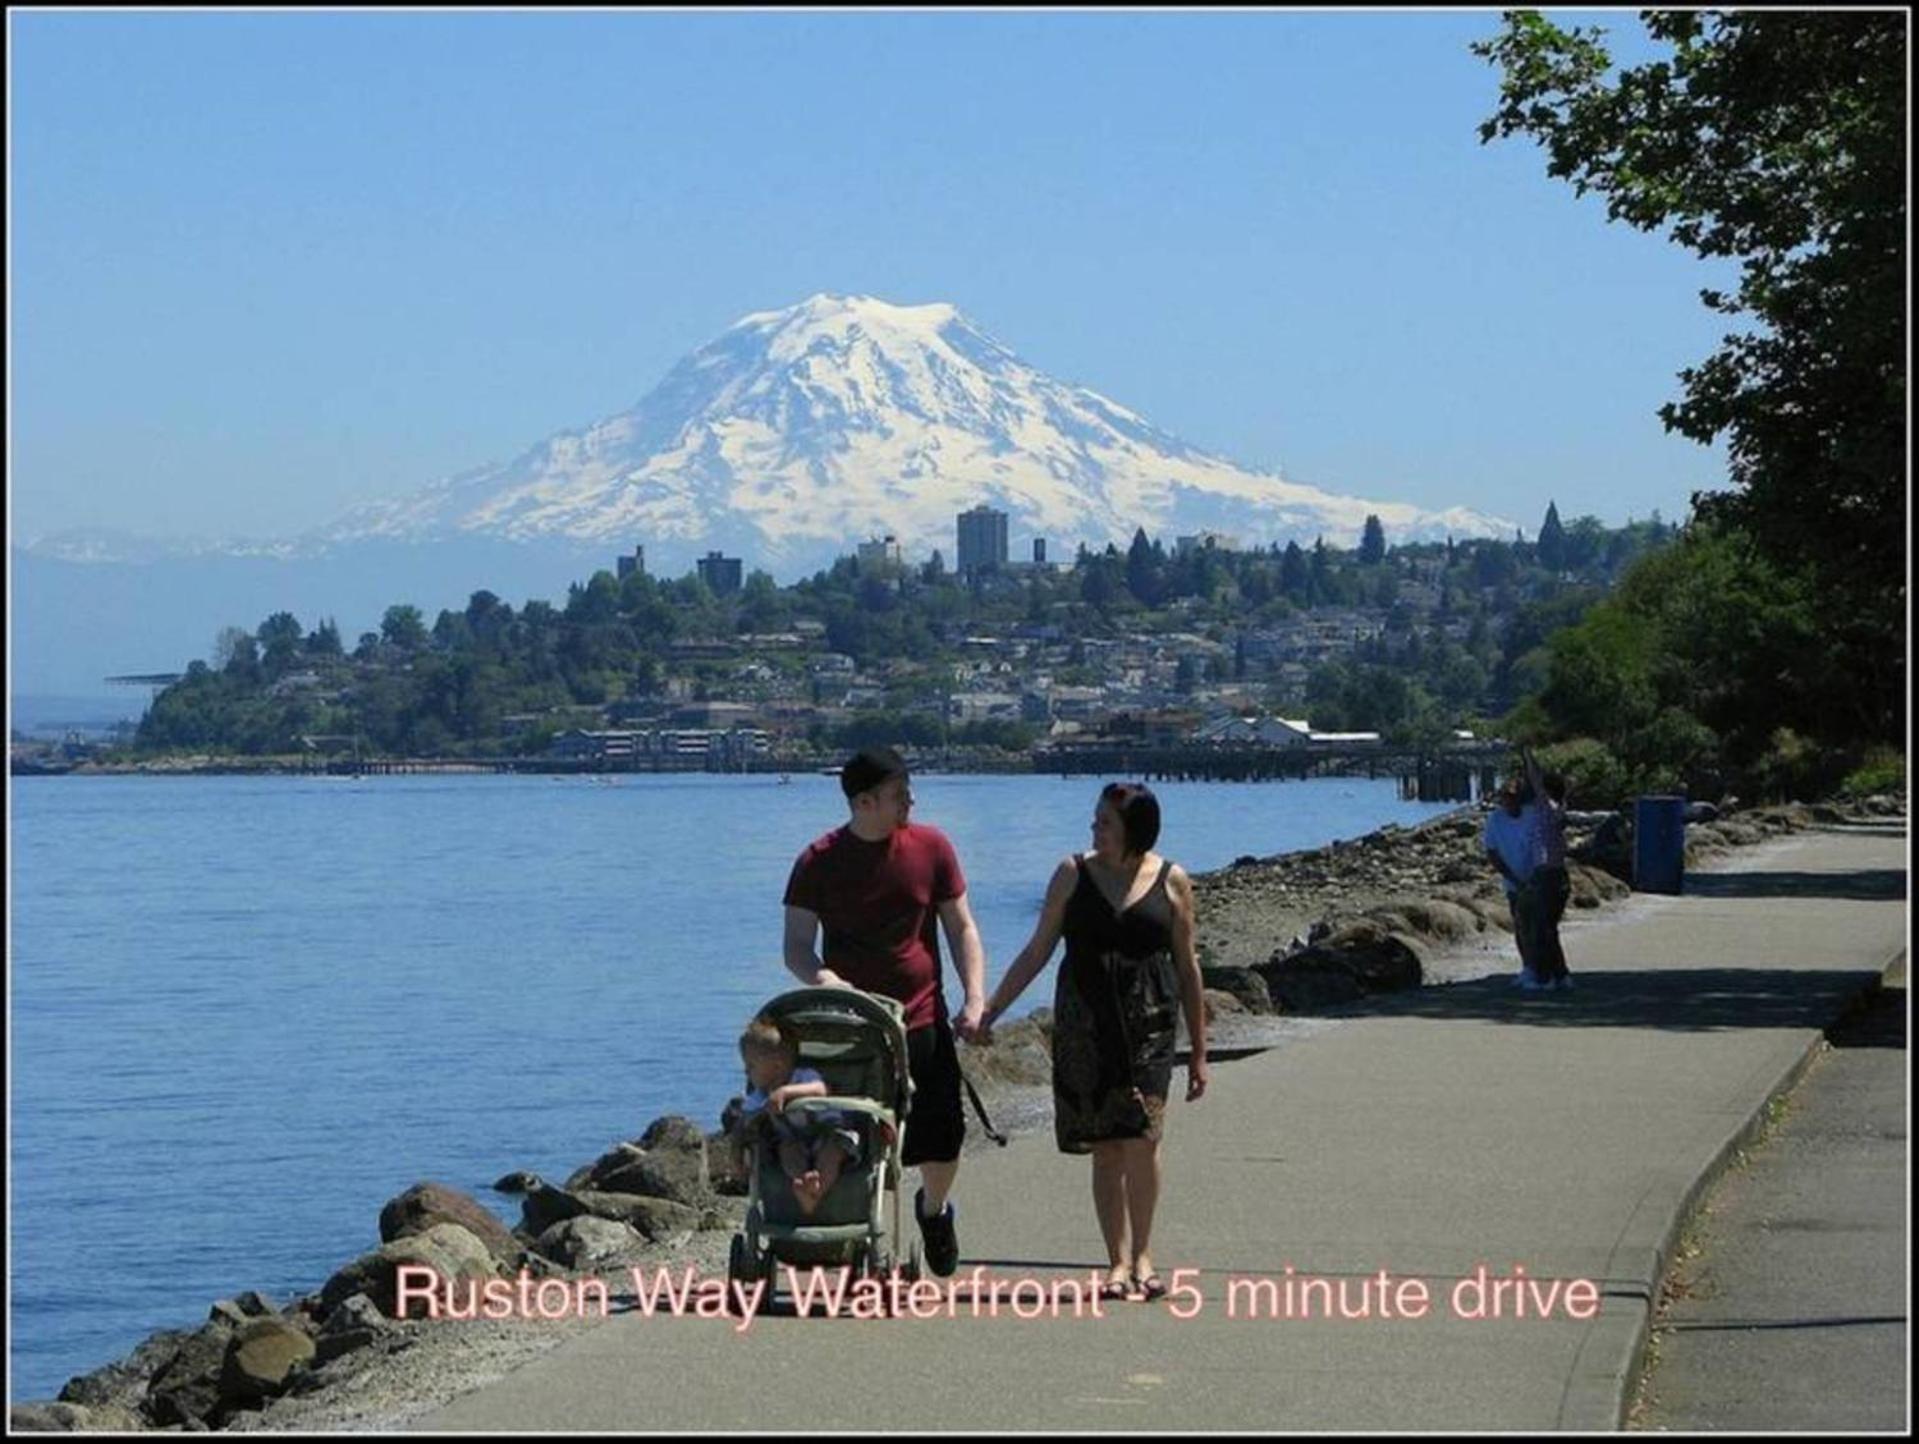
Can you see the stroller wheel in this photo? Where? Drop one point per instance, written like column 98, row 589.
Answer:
column 910, row 1270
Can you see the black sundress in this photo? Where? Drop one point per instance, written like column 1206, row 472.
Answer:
column 1115, row 1011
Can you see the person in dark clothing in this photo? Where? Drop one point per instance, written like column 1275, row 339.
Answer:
column 1548, row 886
column 878, row 891
column 1126, row 915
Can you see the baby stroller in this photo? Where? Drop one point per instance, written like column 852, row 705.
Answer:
column 856, row 1041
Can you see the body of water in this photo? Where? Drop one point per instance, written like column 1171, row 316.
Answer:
column 245, row 1012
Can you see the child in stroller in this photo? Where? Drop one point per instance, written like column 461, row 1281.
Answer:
column 813, row 1152
column 841, row 1077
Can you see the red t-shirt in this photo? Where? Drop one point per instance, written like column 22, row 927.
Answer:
column 878, row 905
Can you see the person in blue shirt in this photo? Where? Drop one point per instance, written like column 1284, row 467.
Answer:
column 1511, row 847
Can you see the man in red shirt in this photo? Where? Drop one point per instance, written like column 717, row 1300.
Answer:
column 879, row 889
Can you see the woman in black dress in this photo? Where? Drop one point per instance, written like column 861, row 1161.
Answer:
column 1127, row 917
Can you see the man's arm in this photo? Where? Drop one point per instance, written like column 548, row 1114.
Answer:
column 1534, row 779
column 802, row 926
column 969, row 956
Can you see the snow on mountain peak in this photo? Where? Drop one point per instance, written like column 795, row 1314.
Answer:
column 796, row 433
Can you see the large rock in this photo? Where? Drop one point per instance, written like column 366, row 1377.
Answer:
column 1592, row 886
column 659, row 1219
column 186, row 1390
column 125, row 1383
column 541, row 1204
column 1243, row 983
column 1217, row 1004
column 241, row 1309
column 726, row 1162
column 1019, row 1056
column 356, row 1321
column 64, row 1418
column 259, row 1357
column 1353, row 962
column 426, row 1204
column 587, row 1241
column 452, row 1252
column 677, row 1172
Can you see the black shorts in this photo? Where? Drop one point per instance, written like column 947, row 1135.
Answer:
column 935, row 1127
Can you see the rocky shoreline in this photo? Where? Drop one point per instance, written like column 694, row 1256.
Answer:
column 1282, row 942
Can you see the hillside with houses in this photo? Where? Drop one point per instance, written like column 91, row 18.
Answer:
column 1195, row 639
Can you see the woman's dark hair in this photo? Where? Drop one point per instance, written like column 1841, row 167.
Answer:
column 1138, row 813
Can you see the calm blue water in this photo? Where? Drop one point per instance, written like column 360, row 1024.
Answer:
column 245, row 1012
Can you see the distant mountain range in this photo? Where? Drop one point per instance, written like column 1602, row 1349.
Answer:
column 787, row 440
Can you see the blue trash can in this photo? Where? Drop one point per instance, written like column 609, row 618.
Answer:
column 1659, row 844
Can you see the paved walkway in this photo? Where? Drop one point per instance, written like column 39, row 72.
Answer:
column 1436, row 1132
column 1791, row 1310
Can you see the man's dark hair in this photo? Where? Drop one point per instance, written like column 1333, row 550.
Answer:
column 1555, row 786
column 869, row 768
column 1138, row 813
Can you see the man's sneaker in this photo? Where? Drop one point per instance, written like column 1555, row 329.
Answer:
column 1529, row 984
column 1564, row 984
column 942, row 1238
column 1526, row 980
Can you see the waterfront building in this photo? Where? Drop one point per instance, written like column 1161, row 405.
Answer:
column 634, row 563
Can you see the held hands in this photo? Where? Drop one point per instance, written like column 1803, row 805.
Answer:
column 970, row 1026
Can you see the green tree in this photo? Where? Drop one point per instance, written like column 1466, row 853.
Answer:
column 404, row 627
column 324, row 640
column 1552, row 540
column 1142, row 570
column 1776, row 138
column 1295, row 577
column 1372, row 543
column 280, row 636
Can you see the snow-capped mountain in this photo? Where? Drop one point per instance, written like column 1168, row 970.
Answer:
column 798, row 433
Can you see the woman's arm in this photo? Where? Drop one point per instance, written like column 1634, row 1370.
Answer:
column 1039, row 947
column 1179, row 892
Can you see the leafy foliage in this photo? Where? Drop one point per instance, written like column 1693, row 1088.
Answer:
column 1777, row 138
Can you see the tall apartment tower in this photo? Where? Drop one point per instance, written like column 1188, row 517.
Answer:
column 721, row 574
column 982, row 538
column 1039, row 551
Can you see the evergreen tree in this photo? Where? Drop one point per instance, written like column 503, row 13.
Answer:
column 1552, row 541
column 1372, row 545
column 1142, row 571
column 1295, row 580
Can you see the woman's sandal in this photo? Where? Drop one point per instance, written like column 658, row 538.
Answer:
column 1116, row 1288
column 1152, row 1287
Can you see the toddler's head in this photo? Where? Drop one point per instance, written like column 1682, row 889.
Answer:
column 769, row 1053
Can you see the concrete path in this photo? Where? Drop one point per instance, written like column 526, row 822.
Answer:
column 1433, row 1133
column 1788, row 1308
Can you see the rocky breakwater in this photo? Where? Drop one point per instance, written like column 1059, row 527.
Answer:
column 350, row 1355
column 1300, row 932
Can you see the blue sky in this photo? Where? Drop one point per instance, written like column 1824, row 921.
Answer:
column 266, row 265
